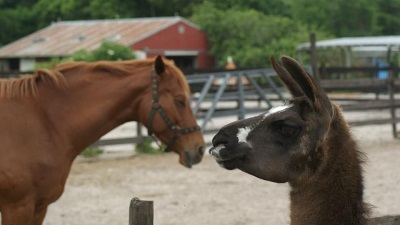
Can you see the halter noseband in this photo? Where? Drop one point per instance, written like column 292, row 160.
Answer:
column 156, row 107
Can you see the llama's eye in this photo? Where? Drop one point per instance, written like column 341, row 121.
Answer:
column 287, row 130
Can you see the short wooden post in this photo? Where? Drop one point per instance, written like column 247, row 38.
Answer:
column 141, row 212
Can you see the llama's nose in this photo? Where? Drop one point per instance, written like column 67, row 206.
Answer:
column 224, row 138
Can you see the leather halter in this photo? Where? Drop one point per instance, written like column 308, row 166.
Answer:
column 157, row 108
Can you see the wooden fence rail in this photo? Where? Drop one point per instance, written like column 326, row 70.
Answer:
column 213, row 88
column 210, row 94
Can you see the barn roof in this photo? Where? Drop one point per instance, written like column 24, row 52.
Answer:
column 378, row 43
column 65, row 38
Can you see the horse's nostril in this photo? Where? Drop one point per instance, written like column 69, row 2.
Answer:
column 201, row 150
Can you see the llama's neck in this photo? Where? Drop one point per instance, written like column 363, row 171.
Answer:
column 333, row 194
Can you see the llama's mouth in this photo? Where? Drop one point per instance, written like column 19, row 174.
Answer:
column 223, row 157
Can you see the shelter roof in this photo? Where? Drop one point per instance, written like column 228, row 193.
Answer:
column 66, row 37
column 379, row 43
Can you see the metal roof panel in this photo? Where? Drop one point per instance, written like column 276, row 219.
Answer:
column 66, row 37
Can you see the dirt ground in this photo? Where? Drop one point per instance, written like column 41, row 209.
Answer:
column 99, row 192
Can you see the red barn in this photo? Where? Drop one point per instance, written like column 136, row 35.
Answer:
column 174, row 37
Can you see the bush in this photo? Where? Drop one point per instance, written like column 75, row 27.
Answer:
column 110, row 51
column 92, row 152
column 146, row 147
column 52, row 63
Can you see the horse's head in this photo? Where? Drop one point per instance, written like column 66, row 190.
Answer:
column 170, row 117
column 285, row 142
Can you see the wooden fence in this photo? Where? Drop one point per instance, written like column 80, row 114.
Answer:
column 262, row 86
column 385, row 91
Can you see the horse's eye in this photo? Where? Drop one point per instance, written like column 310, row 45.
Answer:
column 180, row 102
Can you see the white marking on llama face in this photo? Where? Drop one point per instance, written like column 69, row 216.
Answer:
column 216, row 150
column 277, row 110
column 243, row 133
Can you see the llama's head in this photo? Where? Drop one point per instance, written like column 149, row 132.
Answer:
column 286, row 142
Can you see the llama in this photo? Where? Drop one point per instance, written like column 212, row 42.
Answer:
column 305, row 142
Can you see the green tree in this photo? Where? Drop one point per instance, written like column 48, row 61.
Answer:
column 248, row 30
column 270, row 7
column 388, row 17
column 15, row 23
column 339, row 17
column 249, row 36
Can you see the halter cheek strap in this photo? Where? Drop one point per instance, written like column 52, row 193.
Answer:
column 157, row 108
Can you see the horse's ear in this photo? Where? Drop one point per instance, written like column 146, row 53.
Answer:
column 159, row 65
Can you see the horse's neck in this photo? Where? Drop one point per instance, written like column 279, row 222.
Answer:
column 334, row 195
column 90, row 108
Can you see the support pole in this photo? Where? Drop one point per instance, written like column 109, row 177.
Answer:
column 313, row 52
column 390, row 83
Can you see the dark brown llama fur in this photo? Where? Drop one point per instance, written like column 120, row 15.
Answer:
column 306, row 143
column 330, row 188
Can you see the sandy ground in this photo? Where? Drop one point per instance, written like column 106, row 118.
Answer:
column 99, row 192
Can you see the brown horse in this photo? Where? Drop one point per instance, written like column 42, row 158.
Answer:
column 306, row 143
column 48, row 118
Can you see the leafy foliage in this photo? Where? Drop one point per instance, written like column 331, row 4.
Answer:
column 91, row 152
column 52, row 63
column 110, row 51
column 339, row 17
column 146, row 147
column 249, row 36
column 248, row 30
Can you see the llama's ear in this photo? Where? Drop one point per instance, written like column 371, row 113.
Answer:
column 292, row 86
column 300, row 76
column 311, row 89
column 159, row 65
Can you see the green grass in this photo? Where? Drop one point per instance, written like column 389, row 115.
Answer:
column 146, row 147
column 91, row 152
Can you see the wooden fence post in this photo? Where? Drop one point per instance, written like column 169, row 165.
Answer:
column 313, row 53
column 394, row 70
column 141, row 212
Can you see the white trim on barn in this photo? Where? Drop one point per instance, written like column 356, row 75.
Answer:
column 27, row 64
column 180, row 53
column 140, row 54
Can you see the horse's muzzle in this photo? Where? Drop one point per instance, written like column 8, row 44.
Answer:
column 190, row 158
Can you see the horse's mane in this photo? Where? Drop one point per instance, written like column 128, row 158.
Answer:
column 27, row 85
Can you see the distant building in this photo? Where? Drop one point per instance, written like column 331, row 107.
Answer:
column 174, row 37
